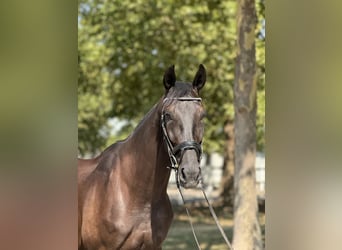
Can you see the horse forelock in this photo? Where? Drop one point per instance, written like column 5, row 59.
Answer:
column 180, row 89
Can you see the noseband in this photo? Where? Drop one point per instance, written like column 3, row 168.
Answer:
column 179, row 149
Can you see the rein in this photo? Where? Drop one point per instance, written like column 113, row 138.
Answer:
column 213, row 214
column 173, row 151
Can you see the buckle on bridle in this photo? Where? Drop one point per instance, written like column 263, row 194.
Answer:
column 174, row 163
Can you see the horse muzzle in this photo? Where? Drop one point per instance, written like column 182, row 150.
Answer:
column 189, row 177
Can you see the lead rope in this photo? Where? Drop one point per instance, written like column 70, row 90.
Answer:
column 187, row 211
column 212, row 211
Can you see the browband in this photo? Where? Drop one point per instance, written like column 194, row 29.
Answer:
column 184, row 99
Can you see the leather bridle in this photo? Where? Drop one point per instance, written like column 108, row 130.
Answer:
column 179, row 149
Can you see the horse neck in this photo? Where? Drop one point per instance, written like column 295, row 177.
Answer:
column 150, row 158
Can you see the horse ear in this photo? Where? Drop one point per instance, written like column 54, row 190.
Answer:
column 200, row 78
column 169, row 79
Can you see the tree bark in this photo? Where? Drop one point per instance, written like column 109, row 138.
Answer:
column 227, row 181
column 247, row 233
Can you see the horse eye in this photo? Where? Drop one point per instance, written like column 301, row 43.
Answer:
column 204, row 115
column 167, row 117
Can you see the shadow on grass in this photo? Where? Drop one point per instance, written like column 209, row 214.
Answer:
column 180, row 235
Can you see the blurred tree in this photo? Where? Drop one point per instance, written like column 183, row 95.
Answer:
column 124, row 48
column 247, row 233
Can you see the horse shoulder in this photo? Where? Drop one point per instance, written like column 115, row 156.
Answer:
column 162, row 216
column 93, row 209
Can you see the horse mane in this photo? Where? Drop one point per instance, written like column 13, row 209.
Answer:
column 181, row 89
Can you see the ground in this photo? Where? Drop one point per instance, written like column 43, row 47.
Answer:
column 180, row 234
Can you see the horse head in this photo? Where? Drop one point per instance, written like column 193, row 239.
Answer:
column 183, row 127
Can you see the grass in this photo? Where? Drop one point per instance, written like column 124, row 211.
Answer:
column 180, row 237
column 180, row 234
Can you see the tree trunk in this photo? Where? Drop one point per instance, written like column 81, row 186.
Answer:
column 247, row 233
column 227, row 181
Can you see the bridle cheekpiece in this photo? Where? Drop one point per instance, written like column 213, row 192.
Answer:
column 179, row 149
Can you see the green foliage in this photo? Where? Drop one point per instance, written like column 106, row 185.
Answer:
column 125, row 47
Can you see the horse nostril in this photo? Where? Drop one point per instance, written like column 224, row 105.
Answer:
column 183, row 174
